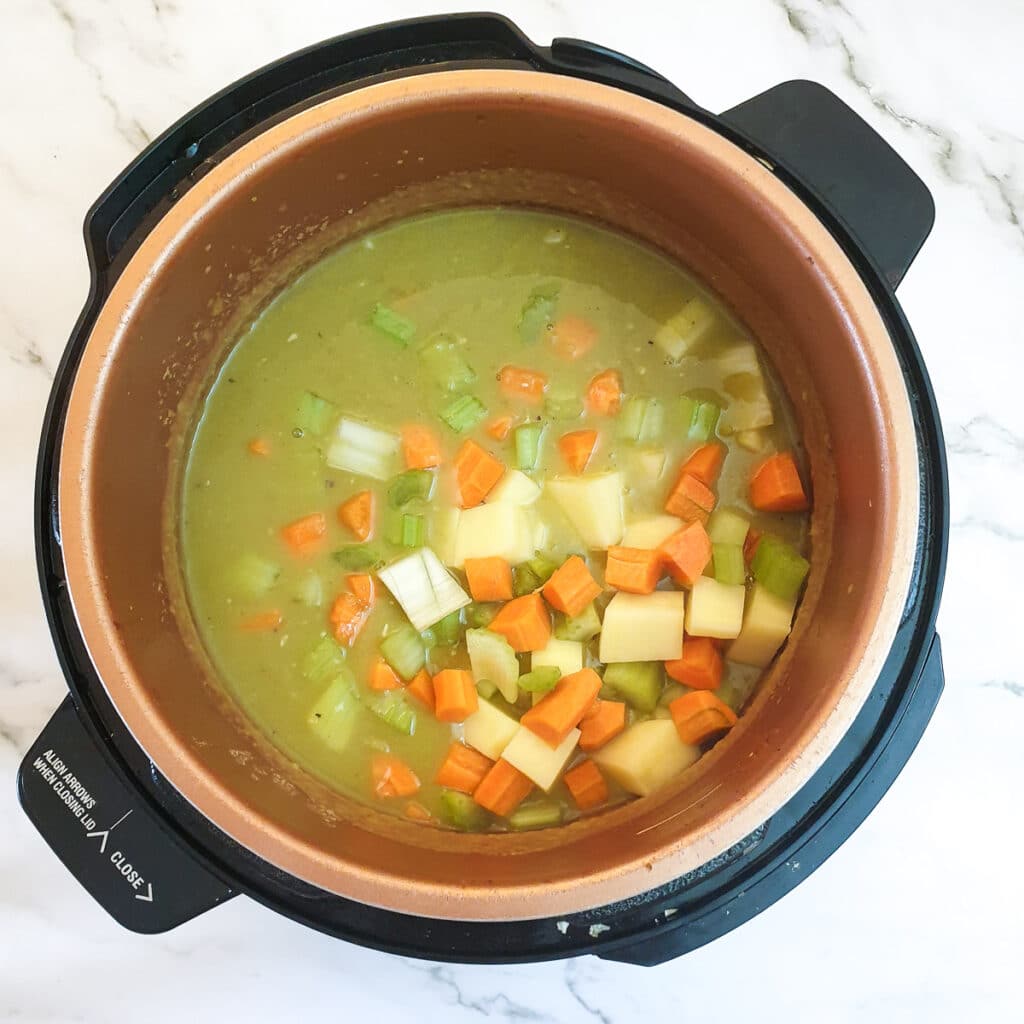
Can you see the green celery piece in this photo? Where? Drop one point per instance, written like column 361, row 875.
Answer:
column 314, row 414
column 778, row 567
column 563, row 405
column 727, row 563
column 542, row 566
column 480, row 615
column 359, row 556
column 463, row 413
column 255, row 575
column 538, row 312
column 333, row 716
column 524, row 580
column 527, row 445
column 394, row 325
column 540, row 680
column 323, row 661
column 444, row 361
column 391, row 707
column 462, row 811
column 486, row 689
column 640, row 420
column 580, row 628
column 538, row 815
column 638, row 683
column 699, row 418
column 413, row 483
column 449, row 630
column 413, row 531
column 403, row 650
column 310, row 590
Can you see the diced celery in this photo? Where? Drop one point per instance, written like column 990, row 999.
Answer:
column 641, row 420
column 779, row 568
column 727, row 527
column 463, row 413
column 538, row 815
column 486, row 689
column 410, row 485
column 638, row 683
column 492, row 657
column 424, row 588
column 461, row 811
column 412, row 531
column 323, row 661
column 543, row 566
column 563, row 405
column 314, row 414
column 540, row 680
column 392, row 707
column 580, row 628
column 333, row 716
column 310, row 590
column 527, row 444
column 394, row 325
column 364, row 450
column 444, row 361
column 448, row 630
column 524, row 580
column 727, row 563
column 699, row 418
column 255, row 575
column 403, row 650
column 479, row 615
column 359, row 556
column 538, row 312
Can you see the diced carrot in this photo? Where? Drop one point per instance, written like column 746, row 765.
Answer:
column 601, row 722
column 776, row 487
column 690, row 499
column 259, row 446
column 357, row 514
column 635, row 570
column 586, row 784
column 348, row 615
column 571, row 587
column 558, row 712
column 463, row 768
column 750, row 543
column 573, row 336
column 500, row 427
column 262, row 622
column 363, row 586
column 421, row 686
column 476, row 473
column 604, row 395
column 383, row 676
column 577, row 447
column 700, row 666
column 502, row 789
column 701, row 715
column 392, row 776
column 705, row 463
column 520, row 384
column 455, row 696
column 417, row 812
column 685, row 554
column 524, row 623
column 490, row 579
column 303, row 536
column 420, row 447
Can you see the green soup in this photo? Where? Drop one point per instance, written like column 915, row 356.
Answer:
column 439, row 363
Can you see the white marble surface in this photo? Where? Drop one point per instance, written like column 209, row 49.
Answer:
column 920, row 916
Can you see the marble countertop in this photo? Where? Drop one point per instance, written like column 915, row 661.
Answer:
column 917, row 917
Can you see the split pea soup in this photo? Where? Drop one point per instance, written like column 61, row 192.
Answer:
column 493, row 519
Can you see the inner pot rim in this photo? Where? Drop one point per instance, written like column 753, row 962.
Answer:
column 212, row 798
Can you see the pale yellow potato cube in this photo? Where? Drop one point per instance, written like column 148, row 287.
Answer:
column 715, row 609
column 489, row 730
column 646, row 756
column 683, row 330
column 565, row 655
column 643, row 627
column 501, row 530
column 593, row 504
column 766, row 624
column 649, row 532
column 540, row 763
column 514, row 488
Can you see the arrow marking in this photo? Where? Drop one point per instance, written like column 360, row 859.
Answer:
column 119, row 820
column 148, row 898
column 103, row 836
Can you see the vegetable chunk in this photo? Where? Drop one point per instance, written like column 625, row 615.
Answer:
column 593, row 504
column 646, row 756
column 643, row 627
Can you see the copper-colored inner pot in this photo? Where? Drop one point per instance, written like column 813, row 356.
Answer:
column 440, row 139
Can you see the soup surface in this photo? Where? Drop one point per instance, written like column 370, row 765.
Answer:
column 455, row 497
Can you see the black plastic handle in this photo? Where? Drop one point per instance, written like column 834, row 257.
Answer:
column 105, row 836
column 837, row 155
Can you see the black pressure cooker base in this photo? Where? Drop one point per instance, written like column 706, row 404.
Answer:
column 145, row 853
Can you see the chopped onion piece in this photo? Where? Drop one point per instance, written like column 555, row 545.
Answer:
column 364, row 450
column 424, row 588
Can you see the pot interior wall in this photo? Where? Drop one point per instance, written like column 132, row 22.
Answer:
column 349, row 169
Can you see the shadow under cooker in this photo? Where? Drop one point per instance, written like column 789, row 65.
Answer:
column 659, row 175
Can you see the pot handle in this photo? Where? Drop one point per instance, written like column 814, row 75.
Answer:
column 106, row 836
column 818, row 140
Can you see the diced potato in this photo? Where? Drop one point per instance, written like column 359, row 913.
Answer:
column 649, row 532
column 514, row 488
column 680, row 332
column 648, row 464
column 491, row 657
column 766, row 624
column 744, row 415
column 565, row 655
column 489, row 730
column 442, row 528
column 593, row 504
column 541, row 533
column 752, row 440
column 536, row 760
column 727, row 527
column 715, row 609
column 646, row 756
column 499, row 530
column 644, row 627
column 737, row 360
